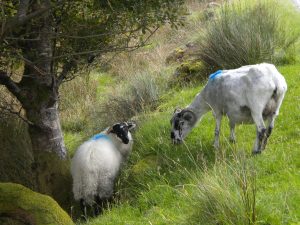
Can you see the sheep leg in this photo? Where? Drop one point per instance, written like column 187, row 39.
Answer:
column 260, row 132
column 98, row 206
column 232, row 133
column 218, row 118
column 272, row 120
column 83, row 208
column 269, row 130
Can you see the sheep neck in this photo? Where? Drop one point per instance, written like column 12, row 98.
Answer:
column 199, row 106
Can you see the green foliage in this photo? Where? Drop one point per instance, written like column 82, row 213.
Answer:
column 248, row 33
column 193, row 184
column 99, row 26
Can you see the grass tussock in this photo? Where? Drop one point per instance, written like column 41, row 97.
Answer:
column 227, row 194
column 245, row 33
column 138, row 94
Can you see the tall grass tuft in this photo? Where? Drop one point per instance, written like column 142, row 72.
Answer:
column 77, row 98
column 246, row 33
column 227, row 194
column 137, row 94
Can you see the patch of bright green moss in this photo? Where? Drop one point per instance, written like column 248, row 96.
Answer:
column 190, row 70
column 19, row 202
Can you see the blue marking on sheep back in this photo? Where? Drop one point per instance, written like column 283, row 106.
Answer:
column 215, row 74
column 99, row 136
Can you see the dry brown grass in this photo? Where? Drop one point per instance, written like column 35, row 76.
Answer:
column 77, row 99
column 153, row 56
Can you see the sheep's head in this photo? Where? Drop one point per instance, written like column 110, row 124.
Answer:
column 122, row 131
column 182, row 122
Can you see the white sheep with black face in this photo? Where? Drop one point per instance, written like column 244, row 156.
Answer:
column 249, row 94
column 97, row 163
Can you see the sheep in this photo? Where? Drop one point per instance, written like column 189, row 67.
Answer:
column 249, row 94
column 97, row 163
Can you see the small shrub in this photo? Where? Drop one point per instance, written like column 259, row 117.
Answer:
column 247, row 33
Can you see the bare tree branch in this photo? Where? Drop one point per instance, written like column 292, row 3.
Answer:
column 66, row 69
column 22, row 18
column 17, row 113
column 15, row 22
column 10, row 84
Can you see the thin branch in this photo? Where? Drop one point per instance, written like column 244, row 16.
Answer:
column 16, row 22
column 21, row 19
column 10, row 84
column 17, row 113
column 108, row 49
column 66, row 69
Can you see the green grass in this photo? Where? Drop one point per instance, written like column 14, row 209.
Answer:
column 167, row 184
column 193, row 183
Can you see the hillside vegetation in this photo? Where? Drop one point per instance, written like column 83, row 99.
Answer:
column 190, row 183
column 193, row 183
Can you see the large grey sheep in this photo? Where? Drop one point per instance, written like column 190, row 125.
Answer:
column 249, row 94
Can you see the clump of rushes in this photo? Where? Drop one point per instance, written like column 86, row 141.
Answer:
column 227, row 194
column 245, row 33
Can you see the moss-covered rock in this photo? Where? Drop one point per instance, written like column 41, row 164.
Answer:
column 190, row 70
column 176, row 55
column 20, row 204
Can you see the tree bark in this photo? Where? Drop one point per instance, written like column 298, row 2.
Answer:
column 38, row 94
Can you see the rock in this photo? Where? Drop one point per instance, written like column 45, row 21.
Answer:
column 20, row 205
column 190, row 70
column 175, row 56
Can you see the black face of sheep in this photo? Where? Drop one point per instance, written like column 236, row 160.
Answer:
column 122, row 129
column 181, row 122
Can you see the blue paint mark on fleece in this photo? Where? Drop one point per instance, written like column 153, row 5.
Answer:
column 215, row 74
column 99, row 136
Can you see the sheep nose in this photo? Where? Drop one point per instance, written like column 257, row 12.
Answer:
column 172, row 135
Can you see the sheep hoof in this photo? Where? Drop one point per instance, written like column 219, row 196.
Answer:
column 256, row 152
column 84, row 218
column 233, row 141
column 216, row 146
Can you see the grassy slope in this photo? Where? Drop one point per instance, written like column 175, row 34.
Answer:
column 161, row 192
column 160, row 183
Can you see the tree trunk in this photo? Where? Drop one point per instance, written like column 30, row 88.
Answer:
column 39, row 97
column 45, row 133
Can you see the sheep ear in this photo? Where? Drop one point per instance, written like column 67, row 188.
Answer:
column 109, row 130
column 189, row 116
column 131, row 125
column 177, row 110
